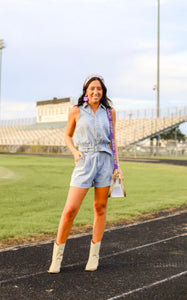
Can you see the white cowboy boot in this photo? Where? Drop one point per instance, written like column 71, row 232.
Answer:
column 58, row 251
column 93, row 260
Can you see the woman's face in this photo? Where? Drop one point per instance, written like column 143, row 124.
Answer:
column 94, row 92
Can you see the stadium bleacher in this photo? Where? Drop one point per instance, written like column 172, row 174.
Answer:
column 129, row 132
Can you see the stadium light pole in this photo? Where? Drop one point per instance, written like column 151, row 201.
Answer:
column 158, row 63
column 1, row 47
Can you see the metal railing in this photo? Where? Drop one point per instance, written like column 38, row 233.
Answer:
column 177, row 111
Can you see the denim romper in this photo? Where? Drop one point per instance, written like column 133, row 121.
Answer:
column 92, row 135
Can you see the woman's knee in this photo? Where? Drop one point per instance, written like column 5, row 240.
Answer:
column 100, row 208
column 70, row 213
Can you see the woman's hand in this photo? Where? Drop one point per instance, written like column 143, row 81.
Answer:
column 118, row 171
column 77, row 154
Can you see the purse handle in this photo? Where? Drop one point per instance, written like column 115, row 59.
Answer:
column 109, row 115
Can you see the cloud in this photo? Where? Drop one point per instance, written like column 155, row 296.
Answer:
column 141, row 75
column 174, row 77
column 175, row 65
column 123, row 104
column 170, row 2
column 176, row 102
column 18, row 110
column 77, row 1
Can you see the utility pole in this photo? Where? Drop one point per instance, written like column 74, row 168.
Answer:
column 158, row 63
column 1, row 47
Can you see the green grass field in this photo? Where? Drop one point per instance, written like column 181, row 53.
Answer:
column 33, row 192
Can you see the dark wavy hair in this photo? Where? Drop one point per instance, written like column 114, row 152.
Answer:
column 105, row 100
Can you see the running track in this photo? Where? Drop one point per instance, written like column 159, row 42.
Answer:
column 146, row 260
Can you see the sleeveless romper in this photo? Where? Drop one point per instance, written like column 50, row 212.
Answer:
column 92, row 135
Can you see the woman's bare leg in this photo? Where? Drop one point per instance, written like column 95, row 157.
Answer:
column 100, row 211
column 73, row 203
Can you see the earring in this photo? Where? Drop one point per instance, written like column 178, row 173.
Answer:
column 85, row 98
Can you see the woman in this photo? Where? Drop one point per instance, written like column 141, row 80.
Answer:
column 93, row 166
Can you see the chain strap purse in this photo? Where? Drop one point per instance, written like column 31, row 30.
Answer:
column 116, row 188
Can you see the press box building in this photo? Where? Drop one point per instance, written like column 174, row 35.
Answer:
column 55, row 110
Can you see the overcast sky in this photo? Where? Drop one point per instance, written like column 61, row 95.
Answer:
column 52, row 45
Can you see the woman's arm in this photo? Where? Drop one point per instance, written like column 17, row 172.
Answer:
column 72, row 120
column 114, row 129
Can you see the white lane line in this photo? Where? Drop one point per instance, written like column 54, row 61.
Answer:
column 88, row 234
column 149, row 286
column 144, row 246
column 103, row 257
column 21, row 277
column 147, row 221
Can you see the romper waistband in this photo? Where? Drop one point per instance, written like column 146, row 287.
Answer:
column 96, row 148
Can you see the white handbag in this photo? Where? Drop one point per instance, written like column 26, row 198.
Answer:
column 116, row 188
